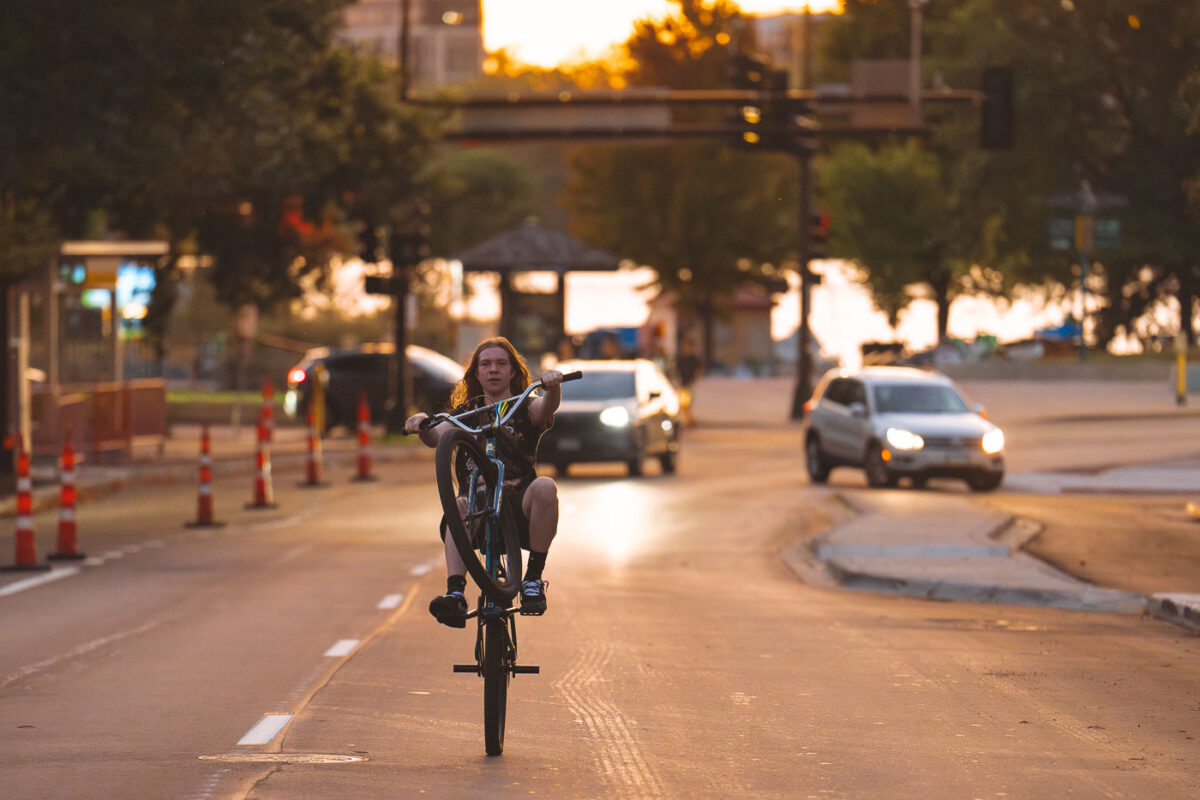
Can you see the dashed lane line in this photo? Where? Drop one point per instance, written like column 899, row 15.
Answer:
column 341, row 648
column 266, row 729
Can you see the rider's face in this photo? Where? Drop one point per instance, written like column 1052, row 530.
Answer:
column 495, row 371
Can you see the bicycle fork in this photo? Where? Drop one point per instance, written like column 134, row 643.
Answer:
column 488, row 612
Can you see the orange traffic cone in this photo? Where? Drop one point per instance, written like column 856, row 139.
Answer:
column 26, row 548
column 315, row 467
column 204, row 503
column 264, row 494
column 67, row 534
column 364, row 439
column 267, row 415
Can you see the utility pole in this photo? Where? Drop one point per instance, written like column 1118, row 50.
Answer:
column 803, row 389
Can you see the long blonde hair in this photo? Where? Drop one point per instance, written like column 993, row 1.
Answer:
column 470, row 387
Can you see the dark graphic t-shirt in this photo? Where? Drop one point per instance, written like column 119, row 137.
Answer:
column 516, row 446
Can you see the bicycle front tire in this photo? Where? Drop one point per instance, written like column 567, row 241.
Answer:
column 501, row 582
column 495, row 683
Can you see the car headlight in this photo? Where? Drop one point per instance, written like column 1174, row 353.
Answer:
column 615, row 416
column 901, row 439
column 993, row 441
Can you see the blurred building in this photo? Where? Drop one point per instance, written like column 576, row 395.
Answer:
column 446, row 38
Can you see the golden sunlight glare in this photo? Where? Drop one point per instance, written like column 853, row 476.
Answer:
column 549, row 33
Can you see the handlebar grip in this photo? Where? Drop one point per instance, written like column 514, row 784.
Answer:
column 429, row 422
column 572, row 376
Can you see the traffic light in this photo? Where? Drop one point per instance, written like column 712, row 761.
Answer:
column 996, row 123
column 748, row 73
column 818, row 235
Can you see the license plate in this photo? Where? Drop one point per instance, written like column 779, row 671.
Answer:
column 568, row 443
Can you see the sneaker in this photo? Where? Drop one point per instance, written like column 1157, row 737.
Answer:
column 450, row 609
column 533, row 598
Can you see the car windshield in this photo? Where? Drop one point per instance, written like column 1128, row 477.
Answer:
column 600, row 385
column 914, row 398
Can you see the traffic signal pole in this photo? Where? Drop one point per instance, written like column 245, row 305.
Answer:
column 803, row 388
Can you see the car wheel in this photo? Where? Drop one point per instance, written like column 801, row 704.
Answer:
column 985, row 481
column 814, row 459
column 920, row 482
column 878, row 474
column 560, row 468
column 635, row 467
column 667, row 460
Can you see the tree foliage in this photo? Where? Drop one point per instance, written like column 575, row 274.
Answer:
column 1106, row 92
column 705, row 217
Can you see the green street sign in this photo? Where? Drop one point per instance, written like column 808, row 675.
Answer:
column 1106, row 234
column 1060, row 233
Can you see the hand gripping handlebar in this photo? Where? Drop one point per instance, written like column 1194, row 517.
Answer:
column 504, row 409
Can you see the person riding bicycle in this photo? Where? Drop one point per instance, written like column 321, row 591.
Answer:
column 497, row 372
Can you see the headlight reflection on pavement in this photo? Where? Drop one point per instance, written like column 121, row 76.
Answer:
column 614, row 518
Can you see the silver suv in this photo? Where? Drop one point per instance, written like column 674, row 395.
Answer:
column 900, row 422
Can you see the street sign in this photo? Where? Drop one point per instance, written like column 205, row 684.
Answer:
column 1106, row 234
column 1060, row 233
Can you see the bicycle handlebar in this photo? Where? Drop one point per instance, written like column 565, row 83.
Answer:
column 504, row 412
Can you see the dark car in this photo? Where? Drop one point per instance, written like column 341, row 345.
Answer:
column 622, row 410
column 349, row 371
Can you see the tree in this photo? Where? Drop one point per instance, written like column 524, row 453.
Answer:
column 705, row 217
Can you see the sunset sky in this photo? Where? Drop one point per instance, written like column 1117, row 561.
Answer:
column 549, row 32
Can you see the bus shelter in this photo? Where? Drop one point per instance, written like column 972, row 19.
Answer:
column 532, row 261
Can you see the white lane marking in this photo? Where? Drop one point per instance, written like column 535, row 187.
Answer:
column 83, row 649
column 156, row 543
column 292, row 554
column 114, row 554
column 391, row 601
column 421, row 569
column 93, row 561
column 343, row 647
column 267, row 729
column 45, row 577
column 132, row 548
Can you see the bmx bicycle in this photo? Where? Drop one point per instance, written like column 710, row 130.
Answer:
column 487, row 539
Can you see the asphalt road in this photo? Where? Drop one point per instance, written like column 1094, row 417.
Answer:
column 680, row 657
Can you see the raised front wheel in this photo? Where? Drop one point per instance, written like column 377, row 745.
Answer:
column 493, row 557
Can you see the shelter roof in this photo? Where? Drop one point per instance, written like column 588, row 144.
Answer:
column 532, row 246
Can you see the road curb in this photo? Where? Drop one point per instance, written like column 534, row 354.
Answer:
column 1180, row 609
column 985, row 564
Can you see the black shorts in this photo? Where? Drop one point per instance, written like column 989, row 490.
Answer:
column 512, row 499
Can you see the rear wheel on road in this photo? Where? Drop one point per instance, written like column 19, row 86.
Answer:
column 878, row 474
column 495, row 683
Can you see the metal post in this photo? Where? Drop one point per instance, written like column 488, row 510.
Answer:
column 914, row 64
column 402, row 50
column 803, row 388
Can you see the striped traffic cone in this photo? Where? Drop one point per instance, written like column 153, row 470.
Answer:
column 264, row 494
column 267, row 415
column 26, row 548
column 204, row 503
column 314, row 467
column 67, row 533
column 364, row 439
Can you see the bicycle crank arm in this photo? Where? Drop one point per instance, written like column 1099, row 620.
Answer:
column 524, row 669
column 478, row 670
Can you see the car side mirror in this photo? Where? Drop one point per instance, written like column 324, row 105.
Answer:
column 981, row 411
column 858, row 410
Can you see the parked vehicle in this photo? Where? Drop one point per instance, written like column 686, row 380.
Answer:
column 368, row 367
column 900, row 422
column 622, row 410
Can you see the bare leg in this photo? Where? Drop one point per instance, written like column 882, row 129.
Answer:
column 454, row 561
column 540, row 505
